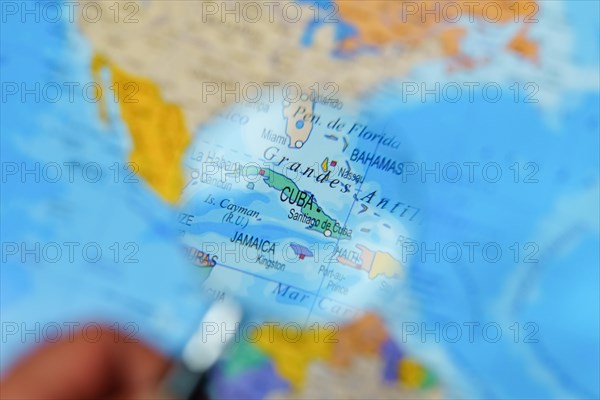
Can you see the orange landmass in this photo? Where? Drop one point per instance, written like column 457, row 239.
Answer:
column 366, row 257
column 363, row 336
column 382, row 22
column 524, row 46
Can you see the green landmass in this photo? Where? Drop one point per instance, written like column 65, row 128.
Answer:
column 242, row 357
column 279, row 182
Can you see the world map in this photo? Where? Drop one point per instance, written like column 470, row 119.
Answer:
column 318, row 163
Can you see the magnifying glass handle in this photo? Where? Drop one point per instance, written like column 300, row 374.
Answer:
column 183, row 383
column 188, row 377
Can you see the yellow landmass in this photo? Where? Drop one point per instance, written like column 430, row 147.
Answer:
column 411, row 373
column 157, row 128
column 353, row 345
column 292, row 356
column 385, row 264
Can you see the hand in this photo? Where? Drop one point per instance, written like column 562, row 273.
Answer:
column 78, row 369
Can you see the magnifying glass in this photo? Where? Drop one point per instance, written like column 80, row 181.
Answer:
column 297, row 210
